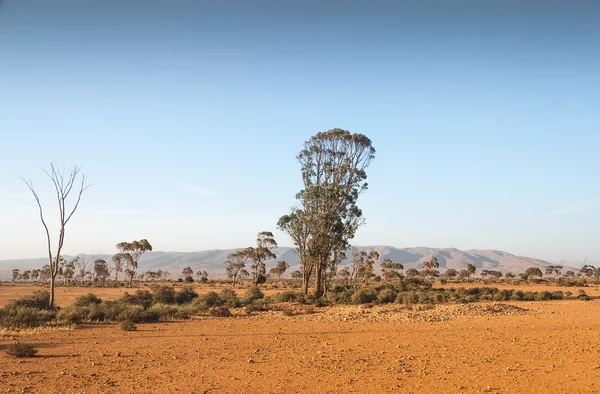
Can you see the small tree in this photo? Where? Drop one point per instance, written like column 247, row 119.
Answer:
column 45, row 273
column 532, row 272
column 101, row 270
column 279, row 269
column 187, row 271
column 35, row 274
column 451, row 273
column 117, row 266
column 391, row 270
column 15, row 274
column 26, row 275
column 430, row 267
column 235, row 263
column 64, row 184
column 130, row 253
column 296, row 275
column 68, row 269
column 83, row 269
column 265, row 242
column 366, row 269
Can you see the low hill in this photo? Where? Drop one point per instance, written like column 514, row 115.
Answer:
column 212, row 260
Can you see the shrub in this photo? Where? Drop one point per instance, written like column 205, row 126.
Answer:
column 220, row 311
column 185, row 295
column 319, row 303
column 583, row 296
column 164, row 311
column 163, row 294
column 386, row 296
column 86, row 300
column 72, row 315
column 142, row 298
column 364, row 296
column 189, row 279
column 257, row 306
column 288, row 296
column 37, row 300
column 230, row 298
column 308, row 310
column 518, row 295
column 253, row 293
column 557, row 295
column 21, row 350
column 128, row 325
column 208, row 300
column 24, row 317
column 544, row 296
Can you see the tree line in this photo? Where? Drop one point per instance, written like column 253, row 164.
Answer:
column 321, row 226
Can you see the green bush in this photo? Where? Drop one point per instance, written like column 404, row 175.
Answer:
column 364, row 296
column 208, row 300
column 87, row 300
column 253, row 293
column 230, row 298
column 143, row 298
column 163, row 294
column 288, row 296
column 185, row 295
column 25, row 317
column 386, row 296
column 72, row 314
column 37, row 300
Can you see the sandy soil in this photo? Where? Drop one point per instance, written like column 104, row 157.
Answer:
column 526, row 347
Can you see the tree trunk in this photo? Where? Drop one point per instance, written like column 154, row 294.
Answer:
column 52, row 291
column 318, row 281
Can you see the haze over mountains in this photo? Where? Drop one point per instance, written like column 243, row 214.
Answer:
column 212, row 260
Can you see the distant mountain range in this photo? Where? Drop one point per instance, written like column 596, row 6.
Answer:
column 212, row 260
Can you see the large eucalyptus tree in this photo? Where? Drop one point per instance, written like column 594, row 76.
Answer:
column 333, row 167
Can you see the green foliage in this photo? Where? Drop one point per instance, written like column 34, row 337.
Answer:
column 253, row 293
column 289, row 296
column 163, row 294
column 143, row 298
column 386, row 296
column 185, row 295
column 21, row 350
column 364, row 296
column 25, row 317
column 230, row 298
column 37, row 300
column 208, row 300
column 87, row 300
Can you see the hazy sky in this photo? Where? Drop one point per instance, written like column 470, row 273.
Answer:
column 187, row 116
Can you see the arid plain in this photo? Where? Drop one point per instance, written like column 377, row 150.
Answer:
column 498, row 347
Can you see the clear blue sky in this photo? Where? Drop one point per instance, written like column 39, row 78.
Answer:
column 187, row 116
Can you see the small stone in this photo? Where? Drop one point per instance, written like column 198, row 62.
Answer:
column 251, row 361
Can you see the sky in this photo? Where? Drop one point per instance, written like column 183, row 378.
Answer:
column 187, row 116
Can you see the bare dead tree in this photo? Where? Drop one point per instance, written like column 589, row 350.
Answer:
column 64, row 184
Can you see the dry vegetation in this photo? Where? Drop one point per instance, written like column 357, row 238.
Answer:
column 249, row 344
column 291, row 347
